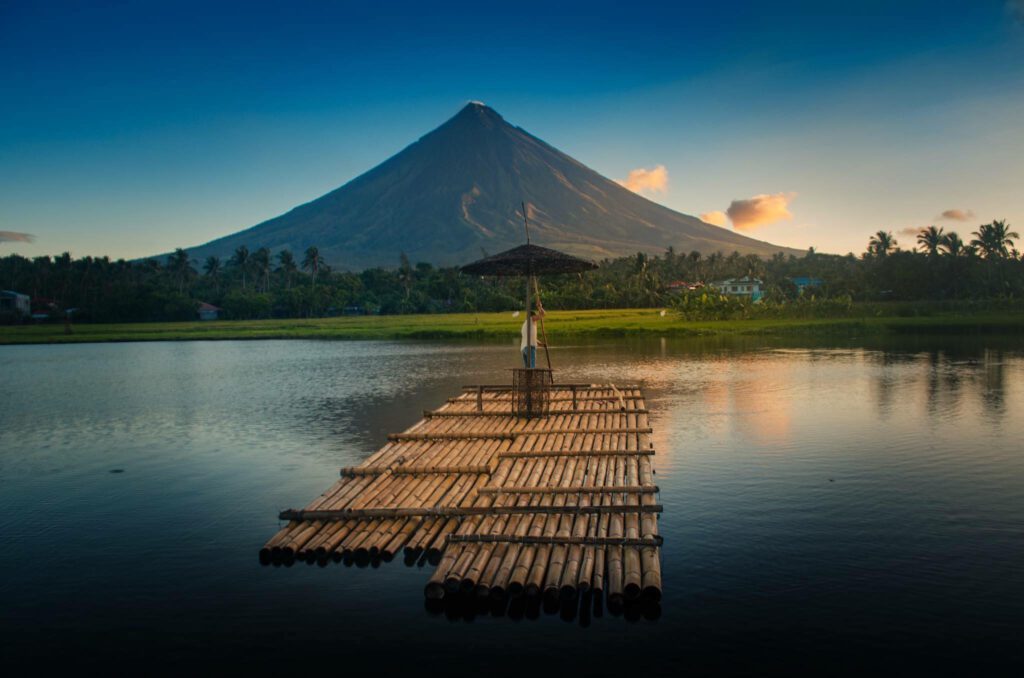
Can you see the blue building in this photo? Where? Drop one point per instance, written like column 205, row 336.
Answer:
column 806, row 283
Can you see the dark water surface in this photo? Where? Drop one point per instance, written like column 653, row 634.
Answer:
column 827, row 508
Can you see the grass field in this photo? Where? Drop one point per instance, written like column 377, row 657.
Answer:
column 611, row 323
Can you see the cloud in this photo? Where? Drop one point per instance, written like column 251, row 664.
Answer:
column 715, row 217
column 909, row 231
column 643, row 180
column 14, row 236
column 957, row 215
column 760, row 210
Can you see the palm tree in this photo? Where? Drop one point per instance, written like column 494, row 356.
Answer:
column 241, row 259
column 286, row 265
column 995, row 239
column 713, row 263
column 312, row 263
column 929, row 240
column 212, row 270
column 261, row 262
column 953, row 245
column 881, row 244
column 212, row 267
column 405, row 275
column 178, row 263
column 754, row 266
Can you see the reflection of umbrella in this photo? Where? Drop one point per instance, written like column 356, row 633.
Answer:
column 528, row 260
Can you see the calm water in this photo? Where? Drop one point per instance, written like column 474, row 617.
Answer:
column 827, row 507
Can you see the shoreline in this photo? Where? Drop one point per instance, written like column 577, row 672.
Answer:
column 591, row 323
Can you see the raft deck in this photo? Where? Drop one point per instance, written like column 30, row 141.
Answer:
column 555, row 505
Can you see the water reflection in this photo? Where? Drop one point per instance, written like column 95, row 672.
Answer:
column 815, row 492
column 580, row 609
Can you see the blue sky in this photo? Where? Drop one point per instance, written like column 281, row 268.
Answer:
column 132, row 128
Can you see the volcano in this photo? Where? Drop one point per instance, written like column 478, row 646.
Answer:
column 456, row 193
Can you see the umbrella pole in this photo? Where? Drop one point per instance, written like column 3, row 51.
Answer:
column 529, row 321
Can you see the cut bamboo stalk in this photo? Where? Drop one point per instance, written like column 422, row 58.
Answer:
column 573, row 489
column 454, row 511
column 608, row 429
column 465, row 435
column 432, row 414
column 578, row 453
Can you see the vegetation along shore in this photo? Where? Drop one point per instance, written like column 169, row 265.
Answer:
column 858, row 320
column 943, row 286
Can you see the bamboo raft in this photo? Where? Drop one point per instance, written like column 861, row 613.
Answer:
column 554, row 506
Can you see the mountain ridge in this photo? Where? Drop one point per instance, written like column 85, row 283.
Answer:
column 456, row 191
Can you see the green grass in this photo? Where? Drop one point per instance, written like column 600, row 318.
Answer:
column 611, row 323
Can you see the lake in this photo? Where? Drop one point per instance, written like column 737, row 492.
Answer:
column 850, row 505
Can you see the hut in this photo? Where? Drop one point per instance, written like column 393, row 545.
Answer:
column 208, row 311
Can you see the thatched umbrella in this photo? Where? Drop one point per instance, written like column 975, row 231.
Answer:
column 528, row 260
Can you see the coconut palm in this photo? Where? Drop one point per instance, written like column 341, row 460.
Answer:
column 929, row 239
column 405, row 275
column 178, row 263
column 286, row 264
column 240, row 259
column 881, row 244
column 953, row 245
column 212, row 267
column 994, row 240
column 312, row 262
column 212, row 270
column 261, row 264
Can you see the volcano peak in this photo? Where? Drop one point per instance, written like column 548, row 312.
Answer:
column 459, row 189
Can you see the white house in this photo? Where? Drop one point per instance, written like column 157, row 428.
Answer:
column 14, row 305
column 744, row 287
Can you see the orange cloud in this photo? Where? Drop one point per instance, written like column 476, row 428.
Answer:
column 956, row 215
column 643, row 180
column 14, row 236
column 760, row 210
column 716, row 217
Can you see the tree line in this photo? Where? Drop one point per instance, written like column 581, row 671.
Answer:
column 265, row 284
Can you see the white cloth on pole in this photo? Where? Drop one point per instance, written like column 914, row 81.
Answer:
column 533, row 335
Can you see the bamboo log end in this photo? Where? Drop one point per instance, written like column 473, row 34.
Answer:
column 652, row 593
column 434, row 590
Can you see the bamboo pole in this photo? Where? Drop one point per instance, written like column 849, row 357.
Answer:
column 575, row 453
column 573, row 489
column 453, row 511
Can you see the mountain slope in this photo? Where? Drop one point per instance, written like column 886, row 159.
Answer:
column 457, row 191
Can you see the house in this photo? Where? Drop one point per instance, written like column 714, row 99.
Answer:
column 208, row 311
column 14, row 306
column 743, row 287
column 803, row 283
